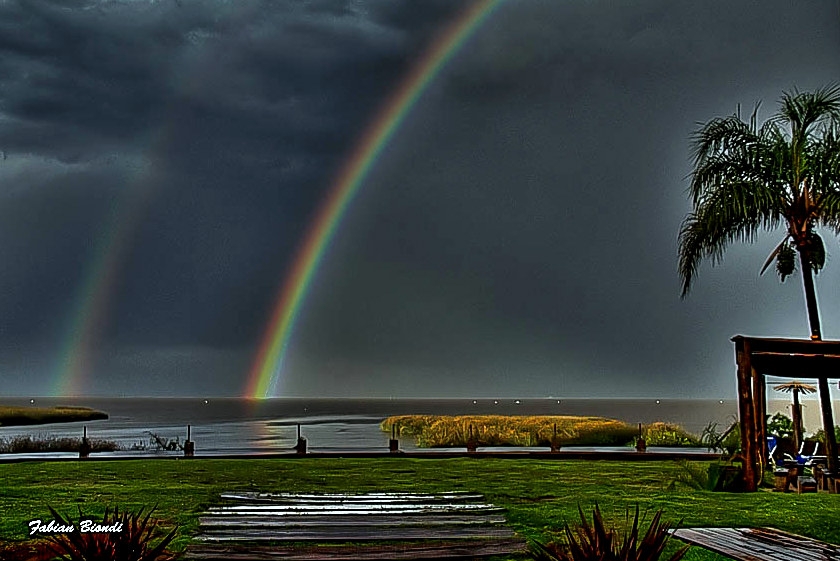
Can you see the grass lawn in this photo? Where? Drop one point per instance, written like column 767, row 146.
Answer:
column 540, row 495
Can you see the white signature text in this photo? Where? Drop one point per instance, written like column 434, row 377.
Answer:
column 85, row 526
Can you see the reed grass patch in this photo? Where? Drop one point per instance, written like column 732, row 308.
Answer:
column 442, row 431
column 11, row 416
column 668, row 434
column 25, row 444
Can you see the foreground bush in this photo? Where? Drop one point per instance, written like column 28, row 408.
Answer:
column 438, row 431
column 129, row 538
column 667, row 434
column 594, row 542
column 716, row 476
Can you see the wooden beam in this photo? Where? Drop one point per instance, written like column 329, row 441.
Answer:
column 746, row 413
column 760, row 406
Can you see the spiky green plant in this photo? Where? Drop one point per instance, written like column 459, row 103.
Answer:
column 133, row 541
column 595, row 542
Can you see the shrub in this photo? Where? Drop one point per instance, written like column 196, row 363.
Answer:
column 780, row 426
column 716, row 476
column 133, row 541
column 667, row 434
column 729, row 441
column 594, row 542
column 820, row 435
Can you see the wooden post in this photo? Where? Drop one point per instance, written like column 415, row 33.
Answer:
column 555, row 444
column 394, row 443
column 641, row 445
column 84, row 448
column 746, row 412
column 300, row 447
column 471, row 445
column 189, row 445
column 760, row 404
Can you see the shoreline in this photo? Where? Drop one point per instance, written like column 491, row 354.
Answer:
column 21, row 416
column 571, row 453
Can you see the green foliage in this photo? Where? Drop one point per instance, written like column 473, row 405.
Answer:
column 667, row 434
column 820, row 435
column 716, row 476
column 131, row 542
column 780, row 426
column 594, row 542
column 749, row 177
column 728, row 441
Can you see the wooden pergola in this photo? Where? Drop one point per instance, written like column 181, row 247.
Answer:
column 758, row 357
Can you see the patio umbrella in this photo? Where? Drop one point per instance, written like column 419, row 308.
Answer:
column 796, row 388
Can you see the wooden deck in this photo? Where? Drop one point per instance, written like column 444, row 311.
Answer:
column 398, row 526
column 759, row 544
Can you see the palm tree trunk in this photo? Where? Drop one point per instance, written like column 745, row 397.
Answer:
column 810, row 297
column 825, row 394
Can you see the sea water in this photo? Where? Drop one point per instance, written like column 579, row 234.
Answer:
column 252, row 427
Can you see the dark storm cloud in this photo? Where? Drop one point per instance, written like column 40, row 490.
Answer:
column 517, row 234
column 242, row 110
column 539, row 219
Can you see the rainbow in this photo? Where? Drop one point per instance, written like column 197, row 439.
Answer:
column 93, row 299
column 271, row 353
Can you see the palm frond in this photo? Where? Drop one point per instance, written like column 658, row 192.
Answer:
column 773, row 255
column 736, row 213
column 802, row 110
column 748, row 177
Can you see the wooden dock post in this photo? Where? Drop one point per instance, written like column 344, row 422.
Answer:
column 300, row 447
column 555, row 443
column 84, row 448
column 394, row 443
column 189, row 445
column 471, row 444
column 641, row 445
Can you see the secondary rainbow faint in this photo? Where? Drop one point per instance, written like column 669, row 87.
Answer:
column 88, row 318
column 268, row 365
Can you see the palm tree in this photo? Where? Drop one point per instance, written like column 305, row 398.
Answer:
column 796, row 388
column 749, row 178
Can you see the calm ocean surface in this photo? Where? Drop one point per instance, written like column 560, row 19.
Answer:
column 237, row 426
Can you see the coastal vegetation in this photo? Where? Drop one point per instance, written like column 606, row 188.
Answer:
column 783, row 173
column 441, row 431
column 26, row 444
column 540, row 496
column 11, row 416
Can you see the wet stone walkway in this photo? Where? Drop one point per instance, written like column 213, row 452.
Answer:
column 395, row 526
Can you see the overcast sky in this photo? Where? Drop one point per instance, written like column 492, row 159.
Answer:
column 162, row 160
